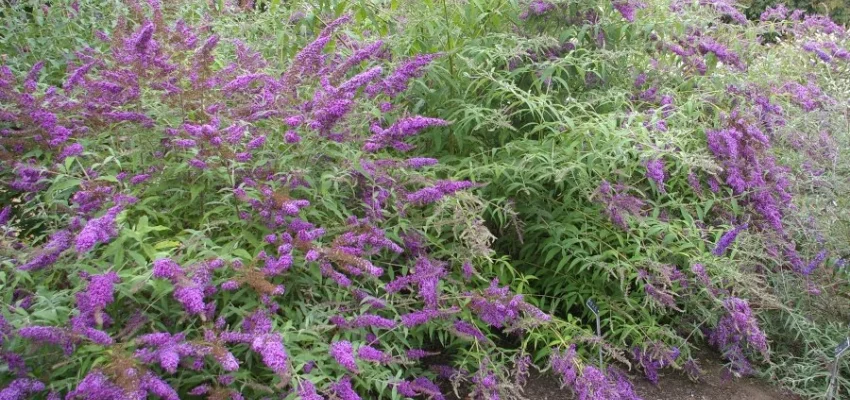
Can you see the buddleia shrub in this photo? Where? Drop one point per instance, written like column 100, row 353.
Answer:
column 660, row 168
column 50, row 32
column 836, row 10
column 177, row 223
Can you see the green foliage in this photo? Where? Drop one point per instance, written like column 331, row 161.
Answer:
column 543, row 111
column 838, row 10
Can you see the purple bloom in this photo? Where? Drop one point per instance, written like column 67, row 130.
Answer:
column 270, row 347
column 420, row 317
column 394, row 135
column 190, row 292
column 49, row 334
column 21, row 389
column 199, row 164
column 257, row 323
column 777, row 13
column 192, row 298
column 343, row 353
column 256, row 142
column 154, row 385
column 397, row 81
column 167, row 350
column 653, row 358
column 369, row 320
column 343, row 390
column 468, row 270
column 371, row 354
column 138, row 118
column 655, row 172
column 96, row 386
column 725, row 7
column 5, row 214
column 420, row 162
column 184, row 143
column 166, row 268
column 230, row 286
column 693, row 180
column 536, row 8
column 628, row 8
column 662, row 297
column 71, row 151
column 640, row 80
column 137, row 179
column 485, row 386
column 691, row 367
column 521, row 369
column 415, row 354
column 816, row 262
column 92, row 301
column 590, row 383
column 435, row 193
column 737, row 334
column 307, row 391
column 291, row 137
column 727, row 239
column 499, row 308
column 726, row 56
column 200, row 390
column 31, row 80
column 420, row 386
column 464, row 328
column 701, row 274
column 617, row 203
column 99, row 292
column 98, row 230
column 563, row 363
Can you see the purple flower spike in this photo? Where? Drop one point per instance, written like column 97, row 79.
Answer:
column 98, row 230
column 464, row 328
column 270, row 347
column 727, row 239
column 655, row 172
column 5, row 214
column 21, row 389
column 343, row 353
column 307, row 391
column 343, row 390
column 371, row 354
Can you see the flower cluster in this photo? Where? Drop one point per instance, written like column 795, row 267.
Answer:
column 499, row 309
column 88, row 324
column 727, row 239
column 693, row 48
column 190, row 291
column 660, row 287
column 655, row 172
column 654, row 357
column 588, row 382
column 722, row 7
column 536, row 8
column 618, row 203
column 628, row 8
column 292, row 241
column 738, row 334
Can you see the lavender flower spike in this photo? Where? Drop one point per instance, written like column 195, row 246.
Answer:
column 343, row 353
column 727, row 239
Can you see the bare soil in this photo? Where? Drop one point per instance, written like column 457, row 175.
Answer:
column 713, row 385
column 673, row 385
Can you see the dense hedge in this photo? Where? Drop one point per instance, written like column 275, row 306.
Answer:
column 838, row 10
column 359, row 200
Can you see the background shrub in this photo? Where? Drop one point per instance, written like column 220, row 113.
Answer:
column 345, row 199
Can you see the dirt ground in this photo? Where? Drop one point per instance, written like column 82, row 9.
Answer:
column 674, row 385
